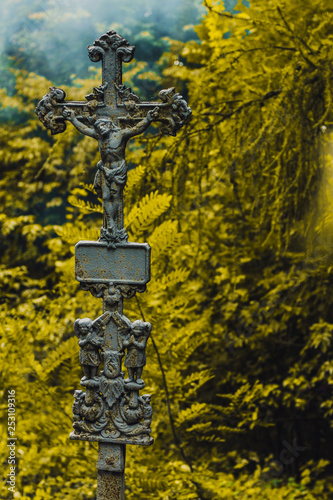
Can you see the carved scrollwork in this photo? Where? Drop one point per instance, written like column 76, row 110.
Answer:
column 128, row 291
column 121, row 424
column 95, row 53
column 111, row 293
column 96, row 289
column 111, row 40
column 89, row 416
column 126, row 53
column 180, row 111
column 128, row 419
column 91, row 339
column 45, row 110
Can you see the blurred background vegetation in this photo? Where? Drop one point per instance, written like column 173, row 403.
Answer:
column 238, row 212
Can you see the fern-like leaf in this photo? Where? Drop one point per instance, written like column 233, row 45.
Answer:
column 197, row 380
column 150, row 208
column 84, row 206
column 134, row 178
column 169, row 280
column 72, row 234
column 88, row 187
column 164, row 239
column 193, row 412
column 168, row 309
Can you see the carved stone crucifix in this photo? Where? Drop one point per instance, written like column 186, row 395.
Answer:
column 110, row 410
column 112, row 115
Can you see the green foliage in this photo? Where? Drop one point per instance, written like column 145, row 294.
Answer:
column 237, row 209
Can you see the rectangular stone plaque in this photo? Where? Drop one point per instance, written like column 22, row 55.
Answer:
column 127, row 264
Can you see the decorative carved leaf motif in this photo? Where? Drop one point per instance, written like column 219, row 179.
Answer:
column 45, row 111
column 126, row 53
column 95, row 53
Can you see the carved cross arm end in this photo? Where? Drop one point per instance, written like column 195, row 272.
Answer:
column 175, row 111
column 49, row 113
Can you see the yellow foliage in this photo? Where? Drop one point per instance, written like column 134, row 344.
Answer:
column 239, row 363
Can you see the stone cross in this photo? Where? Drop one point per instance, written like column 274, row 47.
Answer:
column 111, row 410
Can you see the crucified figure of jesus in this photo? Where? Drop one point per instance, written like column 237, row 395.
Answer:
column 111, row 176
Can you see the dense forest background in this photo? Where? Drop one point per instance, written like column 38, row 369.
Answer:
column 238, row 211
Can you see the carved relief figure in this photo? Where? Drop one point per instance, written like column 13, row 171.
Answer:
column 112, row 382
column 136, row 350
column 112, row 169
column 90, row 334
column 135, row 336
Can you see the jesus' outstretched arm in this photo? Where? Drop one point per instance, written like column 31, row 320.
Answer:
column 69, row 114
column 143, row 124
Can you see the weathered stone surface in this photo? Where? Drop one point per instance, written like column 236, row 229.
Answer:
column 111, row 410
column 126, row 264
column 111, row 457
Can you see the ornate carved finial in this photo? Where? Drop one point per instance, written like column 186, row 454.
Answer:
column 111, row 40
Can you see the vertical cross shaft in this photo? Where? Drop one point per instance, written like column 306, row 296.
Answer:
column 111, row 457
column 111, row 472
column 111, row 66
column 111, row 49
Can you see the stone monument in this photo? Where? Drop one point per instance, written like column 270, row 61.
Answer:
column 111, row 410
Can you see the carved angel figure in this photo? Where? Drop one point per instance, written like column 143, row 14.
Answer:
column 135, row 336
column 90, row 334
